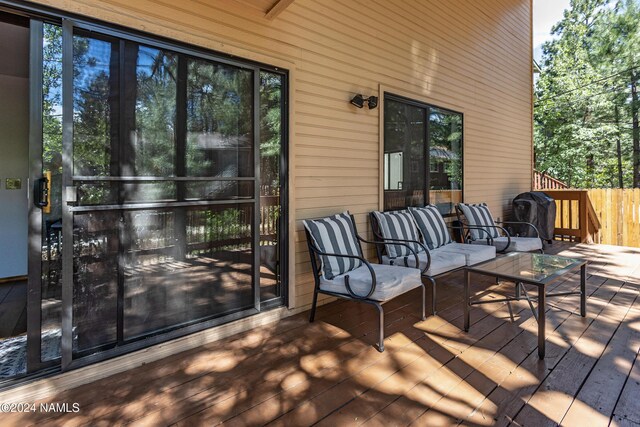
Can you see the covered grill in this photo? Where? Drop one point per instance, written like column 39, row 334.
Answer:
column 537, row 208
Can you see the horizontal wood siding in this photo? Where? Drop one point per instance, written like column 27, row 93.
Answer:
column 473, row 57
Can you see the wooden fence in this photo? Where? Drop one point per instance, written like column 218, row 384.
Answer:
column 618, row 211
column 607, row 216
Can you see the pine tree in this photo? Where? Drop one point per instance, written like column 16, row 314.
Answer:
column 586, row 113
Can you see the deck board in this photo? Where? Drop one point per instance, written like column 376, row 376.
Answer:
column 488, row 344
column 555, row 395
column 627, row 410
column 610, row 372
column 526, row 344
column 526, row 371
column 431, row 373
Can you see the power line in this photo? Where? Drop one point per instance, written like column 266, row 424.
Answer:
column 587, row 84
column 610, row 90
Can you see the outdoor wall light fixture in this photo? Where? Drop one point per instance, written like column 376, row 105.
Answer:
column 358, row 101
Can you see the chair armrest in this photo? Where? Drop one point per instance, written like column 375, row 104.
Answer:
column 489, row 238
column 346, row 278
column 480, row 227
column 522, row 223
column 405, row 243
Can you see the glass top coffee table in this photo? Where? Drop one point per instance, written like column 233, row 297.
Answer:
column 525, row 268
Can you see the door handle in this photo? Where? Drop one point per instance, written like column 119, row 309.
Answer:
column 41, row 193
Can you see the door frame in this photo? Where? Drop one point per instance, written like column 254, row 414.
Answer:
column 35, row 235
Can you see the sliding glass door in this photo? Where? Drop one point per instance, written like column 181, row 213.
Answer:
column 172, row 223
column 153, row 201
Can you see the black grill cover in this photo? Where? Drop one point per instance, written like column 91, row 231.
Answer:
column 537, row 208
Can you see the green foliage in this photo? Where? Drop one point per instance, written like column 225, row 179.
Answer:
column 584, row 110
column 445, row 131
column 52, row 99
column 270, row 129
column 228, row 224
column 134, row 131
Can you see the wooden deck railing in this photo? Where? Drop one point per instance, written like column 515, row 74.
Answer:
column 576, row 218
column 542, row 181
column 609, row 216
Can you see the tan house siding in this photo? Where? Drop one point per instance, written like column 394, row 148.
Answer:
column 469, row 56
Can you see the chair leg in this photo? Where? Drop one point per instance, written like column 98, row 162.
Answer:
column 433, row 295
column 313, row 306
column 424, row 299
column 380, row 328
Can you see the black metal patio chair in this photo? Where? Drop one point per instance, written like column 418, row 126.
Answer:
column 340, row 269
column 425, row 230
column 481, row 229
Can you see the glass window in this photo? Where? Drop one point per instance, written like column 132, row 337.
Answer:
column 417, row 135
column 271, row 138
column 219, row 120
column 51, row 289
column 445, row 154
column 95, row 278
column 95, row 104
column 150, row 80
column 393, row 177
column 404, row 142
column 176, row 275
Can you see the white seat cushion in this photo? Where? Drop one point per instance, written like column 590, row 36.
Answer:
column 518, row 244
column 441, row 262
column 391, row 281
column 473, row 253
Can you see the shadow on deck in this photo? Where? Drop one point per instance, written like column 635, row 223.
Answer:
column 432, row 372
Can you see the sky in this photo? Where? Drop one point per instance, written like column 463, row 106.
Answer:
column 546, row 13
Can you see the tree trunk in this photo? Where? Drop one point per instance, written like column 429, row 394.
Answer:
column 636, row 130
column 590, row 170
column 618, row 148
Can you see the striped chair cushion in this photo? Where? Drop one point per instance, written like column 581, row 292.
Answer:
column 398, row 225
column 479, row 215
column 431, row 225
column 335, row 235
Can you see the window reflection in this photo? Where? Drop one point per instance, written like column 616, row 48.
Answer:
column 219, row 121
column 445, row 157
column 51, row 283
column 177, row 273
column 271, row 106
column 404, row 142
column 95, row 280
column 95, row 100
column 412, row 131
column 150, row 142
column 170, row 129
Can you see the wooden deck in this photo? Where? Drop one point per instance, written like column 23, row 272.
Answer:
column 432, row 373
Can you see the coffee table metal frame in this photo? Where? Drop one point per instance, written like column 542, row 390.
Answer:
column 520, row 282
